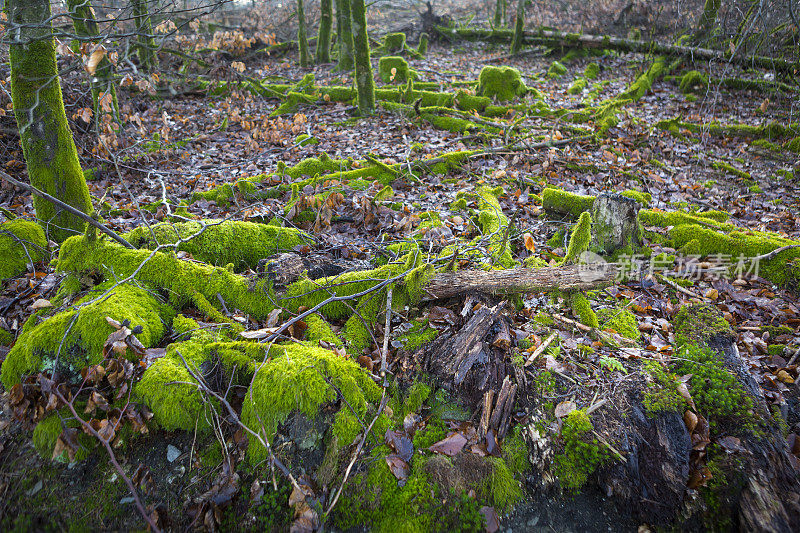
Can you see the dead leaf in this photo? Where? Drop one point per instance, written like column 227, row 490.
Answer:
column 451, row 445
column 564, row 408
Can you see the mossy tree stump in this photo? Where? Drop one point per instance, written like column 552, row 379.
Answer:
column 616, row 223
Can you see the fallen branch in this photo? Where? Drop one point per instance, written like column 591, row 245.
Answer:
column 80, row 214
column 561, row 39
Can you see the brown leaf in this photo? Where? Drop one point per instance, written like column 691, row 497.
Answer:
column 97, row 55
column 451, row 445
column 400, row 443
column 564, row 408
column 398, row 466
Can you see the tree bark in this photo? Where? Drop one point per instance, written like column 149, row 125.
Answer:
column 708, row 18
column 324, row 34
column 365, row 84
column 101, row 81
column 519, row 27
column 344, row 35
column 46, row 140
column 302, row 39
column 146, row 48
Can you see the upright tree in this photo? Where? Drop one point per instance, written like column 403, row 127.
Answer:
column 708, row 18
column 302, row 39
column 102, row 80
column 500, row 14
column 344, row 35
column 519, row 27
column 46, row 139
column 364, row 80
column 146, row 47
column 324, row 33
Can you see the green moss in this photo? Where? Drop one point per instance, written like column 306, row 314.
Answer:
column 72, row 339
column 661, row 392
column 302, row 378
column 221, row 242
column 417, row 394
column 504, row 490
column 47, row 431
column 776, row 349
column 582, row 452
column 6, row 337
column 320, row 330
column 494, row 224
column 591, row 71
column 565, row 203
column 782, row 269
column 663, row 219
column 400, row 66
column 583, row 310
column 621, row 321
column 580, row 239
column 419, row 335
column 393, row 42
column 305, row 140
column 793, row 145
column 184, row 281
column 556, row 70
column 716, row 391
column 643, row 198
column 515, row 452
column 730, row 169
column 502, row 83
column 577, row 86
column 699, row 322
column 693, row 81
column 21, row 242
column 47, row 144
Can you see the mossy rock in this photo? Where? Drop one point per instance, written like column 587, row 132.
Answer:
column 299, row 378
column 21, row 242
column 73, row 339
column 401, row 74
column 221, row 243
column 693, row 81
column 502, row 83
column 556, row 70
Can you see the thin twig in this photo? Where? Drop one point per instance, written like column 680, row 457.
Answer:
column 66, row 207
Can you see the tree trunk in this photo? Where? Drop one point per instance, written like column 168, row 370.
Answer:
column 615, row 223
column 324, row 34
column 302, row 40
column 45, row 137
column 519, row 27
column 146, row 49
column 101, row 80
column 364, row 81
column 500, row 14
column 708, row 18
column 344, row 35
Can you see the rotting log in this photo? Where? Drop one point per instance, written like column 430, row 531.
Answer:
column 288, row 267
column 561, row 39
column 522, row 280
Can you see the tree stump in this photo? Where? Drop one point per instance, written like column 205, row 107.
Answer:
column 615, row 223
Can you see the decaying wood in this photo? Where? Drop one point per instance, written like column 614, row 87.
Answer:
column 458, row 354
column 486, row 412
column 502, row 340
column 522, row 280
column 287, row 267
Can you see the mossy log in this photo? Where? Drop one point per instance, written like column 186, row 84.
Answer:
column 562, row 40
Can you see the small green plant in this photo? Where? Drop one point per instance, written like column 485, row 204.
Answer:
column 611, row 364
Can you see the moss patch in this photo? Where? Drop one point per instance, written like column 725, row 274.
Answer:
column 21, row 242
column 582, row 452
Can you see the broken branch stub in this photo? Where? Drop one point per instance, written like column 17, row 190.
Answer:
column 616, row 223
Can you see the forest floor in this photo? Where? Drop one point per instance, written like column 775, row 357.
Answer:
column 176, row 146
